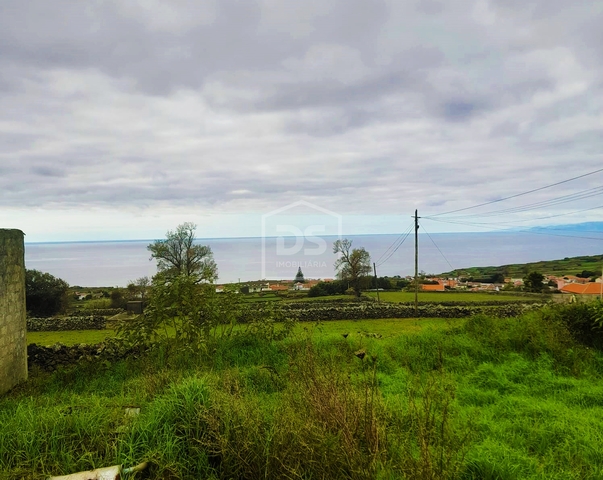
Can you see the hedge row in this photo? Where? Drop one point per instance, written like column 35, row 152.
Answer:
column 59, row 324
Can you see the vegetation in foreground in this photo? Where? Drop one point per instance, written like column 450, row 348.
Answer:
column 213, row 398
column 482, row 398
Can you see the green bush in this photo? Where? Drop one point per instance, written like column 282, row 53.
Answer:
column 317, row 291
column 45, row 295
column 583, row 320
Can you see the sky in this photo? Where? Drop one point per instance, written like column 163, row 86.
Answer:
column 122, row 119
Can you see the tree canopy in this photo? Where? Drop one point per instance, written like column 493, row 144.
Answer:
column 45, row 294
column 178, row 255
column 534, row 282
column 352, row 265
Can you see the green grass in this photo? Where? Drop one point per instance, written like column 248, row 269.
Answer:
column 70, row 337
column 480, row 398
column 435, row 297
column 326, row 298
column 265, row 297
column 384, row 327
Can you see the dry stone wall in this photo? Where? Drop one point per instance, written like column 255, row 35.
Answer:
column 60, row 324
column 13, row 342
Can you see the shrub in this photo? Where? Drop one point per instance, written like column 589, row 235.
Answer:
column 118, row 300
column 583, row 320
column 45, row 295
column 317, row 291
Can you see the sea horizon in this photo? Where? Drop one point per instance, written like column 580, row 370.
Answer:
column 106, row 263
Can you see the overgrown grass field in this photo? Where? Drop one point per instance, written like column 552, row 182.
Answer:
column 384, row 327
column 481, row 398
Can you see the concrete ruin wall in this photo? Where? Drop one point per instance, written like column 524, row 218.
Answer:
column 13, row 342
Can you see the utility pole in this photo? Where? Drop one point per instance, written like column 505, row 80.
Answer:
column 416, row 263
column 376, row 284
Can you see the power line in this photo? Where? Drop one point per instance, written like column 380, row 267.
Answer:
column 519, row 194
column 591, row 192
column 556, row 215
column 406, row 234
column 394, row 251
column 394, row 243
column 435, row 245
column 496, row 222
column 511, row 230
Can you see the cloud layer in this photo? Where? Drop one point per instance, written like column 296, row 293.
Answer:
column 146, row 110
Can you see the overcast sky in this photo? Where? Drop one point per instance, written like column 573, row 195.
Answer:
column 121, row 119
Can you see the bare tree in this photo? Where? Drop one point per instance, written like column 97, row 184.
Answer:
column 353, row 264
column 143, row 284
column 178, row 255
column 139, row 288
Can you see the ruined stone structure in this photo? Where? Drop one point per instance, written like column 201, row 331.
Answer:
column 13, row 343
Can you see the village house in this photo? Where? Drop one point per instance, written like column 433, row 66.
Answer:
column 258, row 287
column 591, row 288
column 307, row 285
column 442, row 285
column 278, row 288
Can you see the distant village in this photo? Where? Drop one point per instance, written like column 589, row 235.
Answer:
column 277, row 286
column 569, row 284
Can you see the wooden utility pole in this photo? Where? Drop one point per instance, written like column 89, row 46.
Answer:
column 416, row 264
column 376, row 283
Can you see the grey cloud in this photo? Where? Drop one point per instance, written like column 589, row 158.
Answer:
column 361, row 103
column 459, row 110
column 89, row 34
column 48, row 171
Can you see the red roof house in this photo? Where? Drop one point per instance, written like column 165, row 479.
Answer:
column 592, row 288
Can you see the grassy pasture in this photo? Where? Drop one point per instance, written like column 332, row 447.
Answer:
column 355, row 328
column 480, row 398
column 436, row 297
column 70, row 337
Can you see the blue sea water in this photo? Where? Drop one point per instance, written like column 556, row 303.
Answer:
column 116, row 263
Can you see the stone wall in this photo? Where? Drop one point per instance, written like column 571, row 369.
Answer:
column 323, row 311
column 60, row 324
column 55, row 356
column 103, row 312
column 13, row 341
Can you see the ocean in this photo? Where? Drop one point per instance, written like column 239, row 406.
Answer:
column 116, row 263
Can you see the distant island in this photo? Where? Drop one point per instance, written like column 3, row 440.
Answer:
column 586, row 227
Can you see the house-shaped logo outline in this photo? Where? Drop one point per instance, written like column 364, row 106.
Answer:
column 298, row 203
